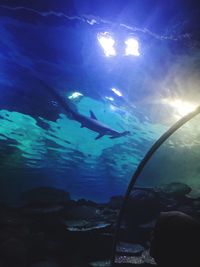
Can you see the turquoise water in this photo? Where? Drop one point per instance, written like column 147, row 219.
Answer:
column 177, row 160
column 68, row 156
column 40, row 144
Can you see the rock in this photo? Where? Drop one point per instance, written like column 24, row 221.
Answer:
column 42, row 209
column 145, row 260
column 8, row 220
column 167, row 202
column 115, row 202
column 186, row 209
column 84, row 213
column 147, row 257
column 83, row 202
column 177, row 189
column 129, row 249
column 37, row 246
column 14, row 252
column 129, row 261
column 83, row 225
column 100, row 264
column 47, row 263
column 142, row 206
column 149, row 225
column 46, row 195
column 19, row 232
column 175, row 240
column 108, row 212
column 109, row 215
column 54, row 247
column 194, row 194
column 196, row 204
column 12, row 218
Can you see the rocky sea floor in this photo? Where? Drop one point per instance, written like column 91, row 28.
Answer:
column 51, row 230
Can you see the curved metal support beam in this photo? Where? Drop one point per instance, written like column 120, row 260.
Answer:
column 140, row 168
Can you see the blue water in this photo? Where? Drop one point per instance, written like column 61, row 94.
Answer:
column 57, row 47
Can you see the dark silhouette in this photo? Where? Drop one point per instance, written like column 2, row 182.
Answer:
column 89, row 122
column 176, row 240
column 93, row 124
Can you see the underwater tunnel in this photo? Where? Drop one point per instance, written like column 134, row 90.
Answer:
column 166, row 180
column 99, row 128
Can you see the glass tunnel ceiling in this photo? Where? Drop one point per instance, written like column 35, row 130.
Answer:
column 168, row 181
column 56, row 76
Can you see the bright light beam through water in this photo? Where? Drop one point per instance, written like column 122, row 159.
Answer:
column 75, row 95
column 132, row 47
column 181, row 107
column 109, row 98
column 116, row 91
column 107, row 43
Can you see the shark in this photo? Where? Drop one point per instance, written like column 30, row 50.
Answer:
column 95, row 125
column 90, row 122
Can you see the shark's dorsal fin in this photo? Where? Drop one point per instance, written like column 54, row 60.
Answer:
column 92, row 115
column 99, row 136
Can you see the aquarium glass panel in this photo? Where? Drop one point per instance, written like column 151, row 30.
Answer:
column 170, row 181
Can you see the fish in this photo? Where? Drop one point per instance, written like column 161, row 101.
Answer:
column 90, row 122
